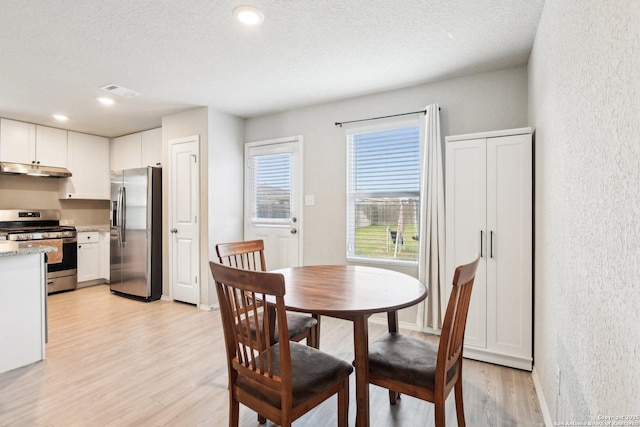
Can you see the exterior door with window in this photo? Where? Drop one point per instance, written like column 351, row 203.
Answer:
column 273, row 199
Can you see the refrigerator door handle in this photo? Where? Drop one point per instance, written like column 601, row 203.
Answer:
column 117, row 221
column 123, row 212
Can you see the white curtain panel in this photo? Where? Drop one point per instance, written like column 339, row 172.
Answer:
column 431, row 266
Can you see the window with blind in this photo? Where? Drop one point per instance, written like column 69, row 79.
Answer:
column 271, row 188
column 383, row 194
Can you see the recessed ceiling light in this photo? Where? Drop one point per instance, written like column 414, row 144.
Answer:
column 248, row 15
column 60, row 117
column 104, row 100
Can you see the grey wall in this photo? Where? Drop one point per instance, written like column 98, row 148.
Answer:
column 482, row 102
column 584, row 102
column 476, row 103
column 221, row 188
column 28, row 192
column 181, row 125
column 226, row 189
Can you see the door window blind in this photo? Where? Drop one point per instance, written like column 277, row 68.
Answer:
column 271, row 187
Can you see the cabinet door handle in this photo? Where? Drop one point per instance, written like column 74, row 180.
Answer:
column 491, row 244
column 481, row 235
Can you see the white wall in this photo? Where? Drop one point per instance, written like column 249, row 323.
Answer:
column 476, row 103
column 226, row 189
column 584, row 102
column 221, row 177
column 181, row 125
column 482, row 102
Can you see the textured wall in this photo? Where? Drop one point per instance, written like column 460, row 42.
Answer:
column 584, row 103
column 476, row 103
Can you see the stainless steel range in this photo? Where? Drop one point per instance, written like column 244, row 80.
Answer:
column 43, row 228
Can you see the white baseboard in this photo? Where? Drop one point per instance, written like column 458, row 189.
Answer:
column 546, row 416
column 498, row 358
column 401, row 325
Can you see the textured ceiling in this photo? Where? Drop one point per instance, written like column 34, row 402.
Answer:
column 55, row 55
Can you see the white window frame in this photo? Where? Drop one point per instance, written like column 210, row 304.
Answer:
column 379, row 127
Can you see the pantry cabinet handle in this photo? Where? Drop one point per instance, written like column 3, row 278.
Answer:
column 481, row 253
column 491, row 244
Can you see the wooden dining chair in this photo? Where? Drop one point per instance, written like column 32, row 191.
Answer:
column 415, row 367
column 249, row 255
column 281, row 381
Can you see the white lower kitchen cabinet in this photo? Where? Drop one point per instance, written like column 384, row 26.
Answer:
column 88, row 161
column 93, row 257
column 88, row 256
column 489, row 211
column 22, row 310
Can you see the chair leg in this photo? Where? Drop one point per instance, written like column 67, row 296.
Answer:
column 439, row 413
column 393, row 397
column 343, row 404
column 459, row 404
column 314, row 340
column 234, row 411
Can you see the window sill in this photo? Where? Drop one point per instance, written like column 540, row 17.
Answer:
column 382, row 262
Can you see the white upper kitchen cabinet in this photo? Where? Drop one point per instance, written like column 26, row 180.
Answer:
column 22, row 142
column 137, row 150
column 152, row 147
column 88, row 161
column 51, row 146
column 126, row 152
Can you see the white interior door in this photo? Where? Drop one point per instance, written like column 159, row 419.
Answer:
column 273, row 199
column 184, row 207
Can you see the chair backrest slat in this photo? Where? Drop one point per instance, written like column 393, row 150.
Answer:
column 248, row 255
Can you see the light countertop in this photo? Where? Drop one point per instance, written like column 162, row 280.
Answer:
column 10, row 248
column 89, row 228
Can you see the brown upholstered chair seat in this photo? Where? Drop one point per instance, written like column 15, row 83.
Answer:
column 406, row 359
column 313, row 372
column 297, row 323
column 411, row 366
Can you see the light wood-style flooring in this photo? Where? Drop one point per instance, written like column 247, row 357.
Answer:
column 112, row 361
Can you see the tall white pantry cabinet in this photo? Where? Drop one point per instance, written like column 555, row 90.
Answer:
column 489, row 211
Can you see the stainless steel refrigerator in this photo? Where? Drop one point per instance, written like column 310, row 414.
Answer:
column 136, row 233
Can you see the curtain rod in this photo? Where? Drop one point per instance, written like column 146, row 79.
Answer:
column 382, row 117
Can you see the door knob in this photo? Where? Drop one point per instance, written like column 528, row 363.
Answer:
column 294, row 231
column 174, row 230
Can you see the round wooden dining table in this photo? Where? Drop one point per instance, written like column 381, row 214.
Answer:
column 353, row 293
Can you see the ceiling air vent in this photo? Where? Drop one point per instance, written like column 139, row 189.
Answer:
column 122, row 91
